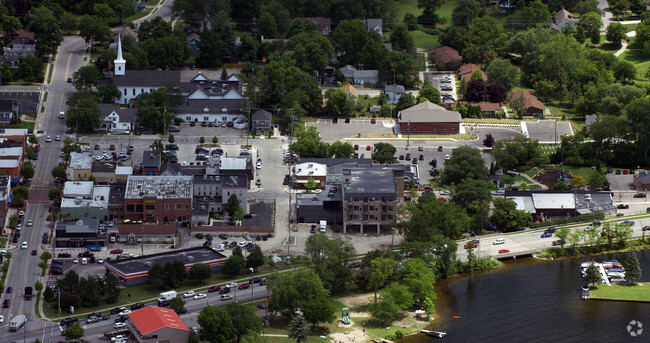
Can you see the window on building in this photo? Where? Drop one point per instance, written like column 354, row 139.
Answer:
column 150, row 207
column 206, row 118
column 133, row 91
column 188, row 118
column 129, row 208
column 365, row 217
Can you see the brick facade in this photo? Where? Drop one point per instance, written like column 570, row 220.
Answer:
column 429, row 128
column 151, row 209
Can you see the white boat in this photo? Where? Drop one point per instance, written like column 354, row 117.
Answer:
column 439, row 334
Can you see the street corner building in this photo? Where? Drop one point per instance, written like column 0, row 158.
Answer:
column 134, row 271
column 159, row 325
column 429, row 118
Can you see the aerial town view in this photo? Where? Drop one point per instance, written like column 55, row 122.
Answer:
column 398, row 171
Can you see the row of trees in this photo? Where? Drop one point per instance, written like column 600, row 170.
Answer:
column 84, row 291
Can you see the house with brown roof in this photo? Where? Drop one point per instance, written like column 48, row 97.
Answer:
column 351, row 92
column 466, row 70
column 324, row 24
column 531, row 106
column 429, row 118
column 445, row 57
column 563, row 19
column 487, row 108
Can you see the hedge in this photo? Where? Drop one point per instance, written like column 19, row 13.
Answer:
column 577, row 219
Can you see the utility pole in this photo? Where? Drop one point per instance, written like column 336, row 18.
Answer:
column 250, row 123
column 291, row 172
column 408, row 135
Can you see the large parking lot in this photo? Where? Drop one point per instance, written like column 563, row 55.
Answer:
column 547, row 131
column 443, row 82
column 331, row 131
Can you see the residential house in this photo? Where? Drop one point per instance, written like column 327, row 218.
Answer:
column 117, row 119
column 429, row 118
column 193, row 43
column 488, row 109
column 13, row 143
column 446, row 57
column 374, row 25
column 360, row 77
column 79, row 166
column 351, row 92
column 150, row 233
column 154, row 324
column 84, row 199
column 26, row 103
column 394, row 92
column 563, row 19
column 261, row 121
column 324, row 24
column 529, row 103
column 79, row 233
column 467, row 70
column 20, row 44
column 151, row 162
column 8, row 108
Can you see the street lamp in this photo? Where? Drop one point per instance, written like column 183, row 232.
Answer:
column 252, row 270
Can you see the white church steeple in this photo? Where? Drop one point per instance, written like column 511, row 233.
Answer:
column 120, row 63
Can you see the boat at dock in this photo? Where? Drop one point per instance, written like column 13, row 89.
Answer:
column 438, row 334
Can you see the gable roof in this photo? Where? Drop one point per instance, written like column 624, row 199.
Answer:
column 563, row 15
column 529, row 99
column 147, row 78
column 446, row 54
column 127, row 115
column 324, row 24
column 466, row 70
column 152, row 318
column 261, row 115
column 350, row 90
column 373, row 24
column 194, row 36
column 394, row 89
column 429, row 112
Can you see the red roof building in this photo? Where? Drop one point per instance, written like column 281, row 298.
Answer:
column 446, row 56
column 466, row 70
column 156, row 324
column 531, row 105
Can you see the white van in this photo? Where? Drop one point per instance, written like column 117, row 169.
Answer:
column 499, row 241
column 323, row 226
column 84, row 261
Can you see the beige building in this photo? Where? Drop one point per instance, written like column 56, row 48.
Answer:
column 80, row 166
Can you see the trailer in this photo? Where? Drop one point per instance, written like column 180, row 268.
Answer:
column 17, row 322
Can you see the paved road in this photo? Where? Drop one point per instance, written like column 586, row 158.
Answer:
column 50, row 331
column 163, row 10
column 529, row 240
column 24, row 270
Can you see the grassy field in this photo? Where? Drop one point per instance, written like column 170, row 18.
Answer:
column 425, row 41
column 585, row 172
column 444, row 12
column 640, row 62
column 408, row 6
column 639, row 292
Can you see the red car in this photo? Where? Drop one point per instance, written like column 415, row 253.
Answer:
column 6, row 303
column 214, row 289
column 474, row 243
column 504, row 251
column 117, row 251
column 368, row 147
column 373, row 121
column 244, row 285
column 625, row 172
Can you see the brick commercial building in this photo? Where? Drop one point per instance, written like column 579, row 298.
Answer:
column 5, row 192
column 158, row 198
column 429, row 118
column 156, row 325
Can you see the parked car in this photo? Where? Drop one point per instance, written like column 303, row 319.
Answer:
column 473, row 243
column 557, row 242
column 639, row 195
column 623, row 206
column 117, row 251
column 546, row 235
column 119, row 325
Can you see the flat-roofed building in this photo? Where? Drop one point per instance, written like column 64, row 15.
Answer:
column 84, row 199
column 5, row 192
column 80, row 166
column 79, row 233
column 103, row 171
column 158, row 198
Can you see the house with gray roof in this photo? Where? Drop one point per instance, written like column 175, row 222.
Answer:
column 394, row 92
column 8, row 109
column 116, row 119
column 374, row 25
column 429, row 118
column 261, row 121
column 360, row 76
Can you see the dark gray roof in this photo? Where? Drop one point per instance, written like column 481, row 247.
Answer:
column 6, row 106
column 238, row 181
column 187, row 256
column 170, row 169
column 82, row 225
column 261, row 115
column 147, row 78
column 117, row 192
column 127, row 115
column 369, row 181
column 394, row 89
column 213, row 106
column 151, row 158
column 103, row 166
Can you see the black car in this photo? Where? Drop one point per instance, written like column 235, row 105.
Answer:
column 199, row 235
column 209, row 237
column 421, row 158
column 224, row 290
column 639, row 195
column 223, row 236
column 551, row 229
column 262, row 282
column 201, row 150
column 440, row 148
column 15, row 239
column 232, row 245
column 44, row 240
column 256, row 280
column 119, row 320
column 207, row 243
column 171, row 147
column 69, row 321
column 64, row 255
column 347, row 120
column 116, row 310
column 623, row 206
column 137, row 306
column 164, row 303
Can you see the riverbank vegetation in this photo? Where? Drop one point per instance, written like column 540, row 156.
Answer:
column 624, row 292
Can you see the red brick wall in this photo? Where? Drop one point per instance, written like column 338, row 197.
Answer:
column 429, row 128
column 164, row 209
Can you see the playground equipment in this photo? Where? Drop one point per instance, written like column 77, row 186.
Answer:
column 345, row 314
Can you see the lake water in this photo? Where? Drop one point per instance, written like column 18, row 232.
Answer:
column 529, row 300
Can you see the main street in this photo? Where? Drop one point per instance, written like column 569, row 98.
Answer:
column 24, row 269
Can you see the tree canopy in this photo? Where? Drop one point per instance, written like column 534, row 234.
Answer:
column 465, row 163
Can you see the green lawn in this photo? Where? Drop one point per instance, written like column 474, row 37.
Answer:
column 29, row 125
column 639, row 292
column 444, row 12
column 408, row 6
column 640, row 62
column 585, row 172
column 425, row 41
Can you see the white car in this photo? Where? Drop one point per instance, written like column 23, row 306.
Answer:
column 124, row 313
column 447, row 157
column 84, row 260
column 225, row 297
column 48, row 139
column 243, row 243
column 29, row 222
column 119, row 325
column 232, row 285
column 200, row 296
column 24, row 246
column 100, row 260
column 220, row 247
column 3, row 252
column 188, row 294
column 75, row 260
column 57, row 138
column 499, row 241
column 2, row 318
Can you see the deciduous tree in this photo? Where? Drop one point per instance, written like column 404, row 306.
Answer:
column 200, row 272
column 384, row 153
column 507, row 218
column 465, row 163
column 216, row 324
